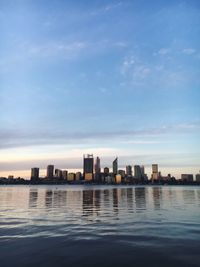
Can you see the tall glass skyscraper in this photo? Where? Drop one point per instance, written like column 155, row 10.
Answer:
column 88, row 166
column 115, row 166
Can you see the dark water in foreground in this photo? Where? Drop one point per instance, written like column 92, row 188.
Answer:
column 99, row 226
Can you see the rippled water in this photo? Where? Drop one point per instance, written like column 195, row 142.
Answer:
column 99, row 226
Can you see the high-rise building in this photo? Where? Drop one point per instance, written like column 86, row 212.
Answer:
column 97, row 166
column 115, row 166
column 129, row 170
column 142, row 170
column 34, row 174
column 50, row 170
column 97, row 169
column 88, row 166
column 155, row 173
column 137, row 172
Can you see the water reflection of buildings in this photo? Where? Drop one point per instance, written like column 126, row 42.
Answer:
column 198, row 196
column 115, row 199
column 88, row 202
column 55, row 198
column 48, row 198
column 97, row 200
column 33, row 197
column 189, row 196
column 106, row 194
column 157, row 197
column 59, row 198
column 130, row 199
column 140, row 199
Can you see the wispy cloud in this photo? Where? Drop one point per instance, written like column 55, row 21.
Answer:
column 112, row 6
column 14, row 138
column 135, row 68
column 164, row 51
column 105, row 9
column 25, row 52
column 165, row 69
column 188, row 51
column 50, row 49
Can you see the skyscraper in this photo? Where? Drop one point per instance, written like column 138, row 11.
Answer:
column 155, row 173
column 97, row 169
column 142, row 170
column 115, row 166
column 97, row 166
column 34, row 174
column 137, row 172
column 129, row 170
column 88, row 166
column 50, row 169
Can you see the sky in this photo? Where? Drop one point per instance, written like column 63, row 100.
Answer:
column 112, row 78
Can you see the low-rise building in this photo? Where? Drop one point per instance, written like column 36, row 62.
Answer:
column 187, row 177
column 71, row 176
column 64, row 174
column 198, row 177
column 118, row 178
column 78, row 176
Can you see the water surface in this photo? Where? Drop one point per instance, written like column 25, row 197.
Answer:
column 99, row 226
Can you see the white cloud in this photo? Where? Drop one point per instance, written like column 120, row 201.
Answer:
column 163, row 51
column 105, row 9
column 103, row 90
column 112, row 6
column 135, row 69
column 141, row 71
column 188, row 51
column 57, row 48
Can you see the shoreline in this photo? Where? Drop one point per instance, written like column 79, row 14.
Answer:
column 63, row 183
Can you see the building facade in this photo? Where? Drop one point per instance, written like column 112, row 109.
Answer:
column 187, row 177
column 129, row 170
column 50, row 171
column 88, row 166
column 115, row 167
column 34, row 174
column 155, row 173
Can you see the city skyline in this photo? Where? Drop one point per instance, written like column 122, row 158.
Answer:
column 93, row 167
column 114, row 78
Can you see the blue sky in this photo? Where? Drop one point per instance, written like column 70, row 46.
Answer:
column 106, row 77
